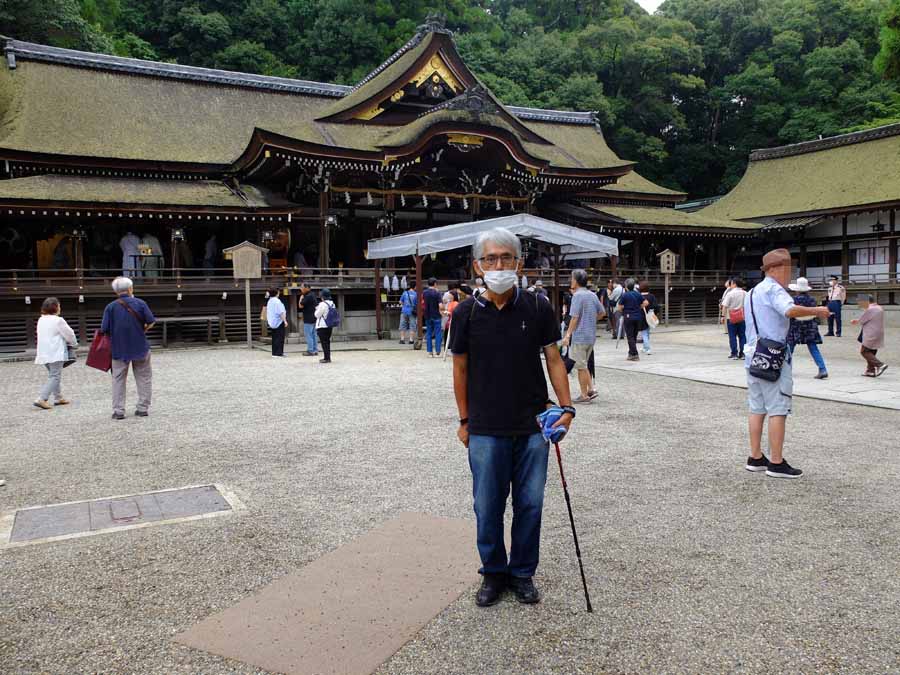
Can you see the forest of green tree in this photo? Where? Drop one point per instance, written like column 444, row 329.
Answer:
column 687, row 92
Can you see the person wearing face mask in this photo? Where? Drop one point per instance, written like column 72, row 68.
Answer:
column 500, row 388
column 836, row 297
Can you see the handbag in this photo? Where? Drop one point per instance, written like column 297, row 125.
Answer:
column 652, row 319
column 567, row 360
column 100, row 354
column 736, row 315
column 769, row 355
column 71, row 356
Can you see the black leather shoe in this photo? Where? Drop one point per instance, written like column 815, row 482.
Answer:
column 492, row 587
column 524, row 589
column 118, row 416
column 140, row 413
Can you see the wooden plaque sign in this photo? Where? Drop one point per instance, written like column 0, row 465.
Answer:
column 246, row 259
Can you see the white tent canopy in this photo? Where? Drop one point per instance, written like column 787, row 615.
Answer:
column 571, row 240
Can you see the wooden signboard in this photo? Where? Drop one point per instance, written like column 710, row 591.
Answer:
column 667, row 263
column 246, row 260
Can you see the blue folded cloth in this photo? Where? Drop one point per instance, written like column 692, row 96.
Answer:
column 547, row 419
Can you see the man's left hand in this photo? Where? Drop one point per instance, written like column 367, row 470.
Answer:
column 566, row 340
column 564, row 421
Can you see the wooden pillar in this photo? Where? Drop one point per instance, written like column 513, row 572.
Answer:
column 614, row 266
column 802, row 260
column 378, row 317
column 636, row 255
column 82, row 323
column 892, row 254
column 682, row 258
column 324, row 234
column 723, row 256
column 845, row 252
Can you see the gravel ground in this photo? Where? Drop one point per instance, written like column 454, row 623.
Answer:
column 695, row 565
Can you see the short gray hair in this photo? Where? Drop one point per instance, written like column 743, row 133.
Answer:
column 580, row 277
column 122, row 284
column 500, row 236
column 629, row 284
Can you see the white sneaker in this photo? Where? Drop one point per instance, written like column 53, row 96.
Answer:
column 2, row 482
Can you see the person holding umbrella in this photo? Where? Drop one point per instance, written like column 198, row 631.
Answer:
column 500, row 389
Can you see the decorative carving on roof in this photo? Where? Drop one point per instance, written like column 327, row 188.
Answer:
column 826, row 143
column 434, row 23
column 476, row 100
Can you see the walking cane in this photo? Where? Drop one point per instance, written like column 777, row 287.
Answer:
column 619, row 331
column 562, row 476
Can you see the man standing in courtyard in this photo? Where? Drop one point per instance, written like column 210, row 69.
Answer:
column 308, row 302
column 582, row 332
column 871, row 335
column 408, row 306
column 768, row 310
column 499, row 383
column 126, row 321
column 433, row 316
column 836, row 297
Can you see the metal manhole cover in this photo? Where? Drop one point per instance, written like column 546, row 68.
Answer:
column 79, row 519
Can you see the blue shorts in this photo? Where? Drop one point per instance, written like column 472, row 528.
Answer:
column 771, row 398
column 407, row 322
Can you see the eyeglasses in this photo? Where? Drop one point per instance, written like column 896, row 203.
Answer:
column 506, row 259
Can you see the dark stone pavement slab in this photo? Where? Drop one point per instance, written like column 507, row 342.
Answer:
column 353, row 608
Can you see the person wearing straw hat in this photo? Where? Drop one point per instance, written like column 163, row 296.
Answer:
column 768, row 309
column 805, row 330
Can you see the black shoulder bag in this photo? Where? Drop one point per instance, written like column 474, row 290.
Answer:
column 768, row 357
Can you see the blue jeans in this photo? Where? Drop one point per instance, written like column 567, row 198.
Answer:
column 645, row 336
column 496, row 463
column 834, row 306
column 309, row 330
column 433, row 331
column 816, row 355
column 737, row 334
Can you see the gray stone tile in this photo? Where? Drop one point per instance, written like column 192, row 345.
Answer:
column 190, row 502
column 50, row 521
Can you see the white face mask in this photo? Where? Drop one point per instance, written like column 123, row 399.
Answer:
column 500, row 281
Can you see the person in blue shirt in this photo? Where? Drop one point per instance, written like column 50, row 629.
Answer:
column 768, row 310
column 632, row 305
column 408, row 305
column 126, row 321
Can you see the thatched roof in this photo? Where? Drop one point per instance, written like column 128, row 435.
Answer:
column 842, row 172
column 64, row 102
column 135, row 191
column 667, row 217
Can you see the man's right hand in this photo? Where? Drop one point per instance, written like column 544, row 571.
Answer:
column 822, row 312
column 463, row 434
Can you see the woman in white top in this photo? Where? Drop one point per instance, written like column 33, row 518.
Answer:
column 54, row 336
column 323, row 330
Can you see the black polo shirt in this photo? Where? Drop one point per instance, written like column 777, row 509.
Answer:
column 506, row 384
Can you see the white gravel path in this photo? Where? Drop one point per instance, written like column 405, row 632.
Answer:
column 695, row 565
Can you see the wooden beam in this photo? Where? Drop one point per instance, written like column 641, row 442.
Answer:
column 845, row 250
column 892, row 252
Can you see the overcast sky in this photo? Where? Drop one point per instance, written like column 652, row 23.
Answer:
column 650, row 5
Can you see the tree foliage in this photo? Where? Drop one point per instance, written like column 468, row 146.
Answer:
column 686, row 92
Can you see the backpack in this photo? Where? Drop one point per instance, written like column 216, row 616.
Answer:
column 333, row 318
